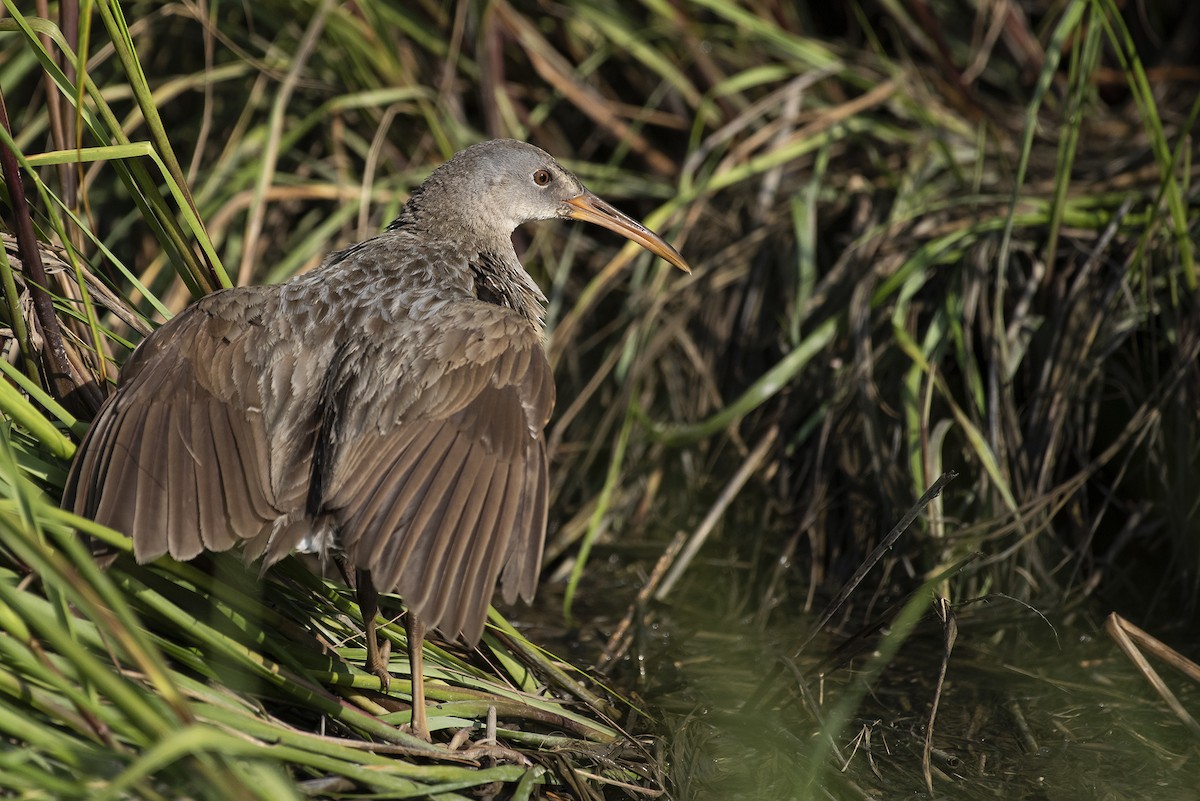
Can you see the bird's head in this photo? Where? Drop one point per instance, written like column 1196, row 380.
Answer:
column 493, row 187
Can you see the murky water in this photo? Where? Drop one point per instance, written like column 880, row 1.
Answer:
column 1031, row 708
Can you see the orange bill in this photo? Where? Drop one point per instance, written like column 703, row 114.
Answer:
column 589, row 208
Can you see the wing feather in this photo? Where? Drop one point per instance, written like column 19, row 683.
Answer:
column 479, row 563
column 214, row 511
column 245, row 506
column 519, row 576
column 459, row 509
column 387, row 481
column 389, row 554
column 448, row 491
column 432, row 468
column 178, row 457
column 184, row 540
column 137, row 483
column 521, row 571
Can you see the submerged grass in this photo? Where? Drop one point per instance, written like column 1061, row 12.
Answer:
column 920, row 245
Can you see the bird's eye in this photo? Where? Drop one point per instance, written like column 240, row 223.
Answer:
column 542, row 178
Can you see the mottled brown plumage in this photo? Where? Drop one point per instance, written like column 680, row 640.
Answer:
column 388, row 406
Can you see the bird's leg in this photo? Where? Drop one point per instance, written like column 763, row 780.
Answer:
column 368, row 604
column 416, row 639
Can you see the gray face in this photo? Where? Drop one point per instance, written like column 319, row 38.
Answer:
column 498, row 185
column 486, row 191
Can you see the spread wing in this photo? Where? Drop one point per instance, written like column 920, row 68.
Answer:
column 422, row 450
column 179, row 456
column 444, row 492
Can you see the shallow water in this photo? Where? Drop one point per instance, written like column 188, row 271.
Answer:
column 1022, row 715
column 1032, row 708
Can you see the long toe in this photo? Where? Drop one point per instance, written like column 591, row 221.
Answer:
column 377, row 663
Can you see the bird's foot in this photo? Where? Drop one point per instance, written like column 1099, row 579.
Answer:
column 377, row 663
column 378, row 653
column 480, row 750
column 419, row 726
column 486, row 748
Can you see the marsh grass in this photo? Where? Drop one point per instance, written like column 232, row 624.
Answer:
column 919, row 246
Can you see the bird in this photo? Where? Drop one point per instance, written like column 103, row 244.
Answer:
column 386, row 409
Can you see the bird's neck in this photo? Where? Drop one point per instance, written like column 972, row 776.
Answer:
column 495, row 273
column 498, row 278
